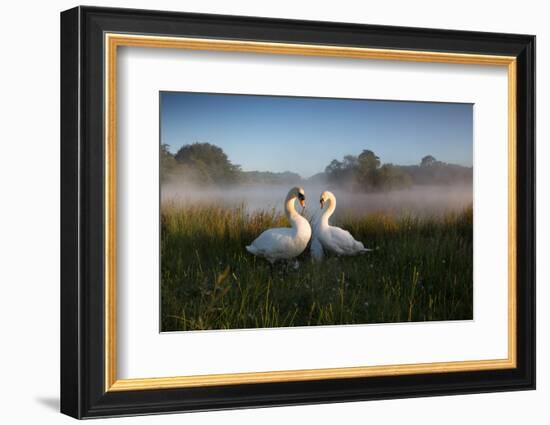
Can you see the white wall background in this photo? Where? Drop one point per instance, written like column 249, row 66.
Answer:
column 29, row 211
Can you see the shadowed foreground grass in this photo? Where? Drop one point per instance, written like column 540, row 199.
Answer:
column 421, row 270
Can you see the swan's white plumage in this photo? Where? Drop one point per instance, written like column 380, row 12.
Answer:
column 331, row 238
column 284, row 243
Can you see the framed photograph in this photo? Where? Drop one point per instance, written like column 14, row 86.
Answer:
column 261, row 212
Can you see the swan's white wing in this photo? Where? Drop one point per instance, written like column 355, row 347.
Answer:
column 341, row 242
column 275, row 244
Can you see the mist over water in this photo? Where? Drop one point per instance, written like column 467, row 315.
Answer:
column 417, row 200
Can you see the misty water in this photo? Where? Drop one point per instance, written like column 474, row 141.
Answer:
column 417, row 201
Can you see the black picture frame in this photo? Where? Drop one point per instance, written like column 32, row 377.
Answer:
column 83, row 392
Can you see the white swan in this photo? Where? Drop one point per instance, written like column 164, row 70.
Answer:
column 331, row 238
column 284, row 243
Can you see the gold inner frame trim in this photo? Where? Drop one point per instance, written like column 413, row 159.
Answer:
column 113, row 41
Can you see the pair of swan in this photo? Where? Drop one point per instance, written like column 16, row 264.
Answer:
column 289, row 242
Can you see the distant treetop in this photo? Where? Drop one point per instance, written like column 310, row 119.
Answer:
column 427, row 161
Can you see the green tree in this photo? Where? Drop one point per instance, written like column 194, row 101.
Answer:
column 389, row 177
column 368, row 160
column 351, row 162
column 428, row 161
column 167, row 162
column 367, row 164
column 209, row 161
column 334, row 171
column 334, row 167
column 342, row 172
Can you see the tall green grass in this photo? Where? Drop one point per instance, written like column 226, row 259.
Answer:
column 421, row 269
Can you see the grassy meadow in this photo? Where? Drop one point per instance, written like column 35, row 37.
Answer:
column 421, row 269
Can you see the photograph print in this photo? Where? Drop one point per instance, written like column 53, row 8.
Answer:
column 283, row 211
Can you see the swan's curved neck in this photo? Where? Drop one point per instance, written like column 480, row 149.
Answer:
column 328, row 210
column 290, row 210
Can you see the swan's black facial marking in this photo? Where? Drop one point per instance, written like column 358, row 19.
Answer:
column 322, row 201
column 301, row 197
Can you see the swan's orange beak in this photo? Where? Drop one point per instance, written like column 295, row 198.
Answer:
column 303, row 203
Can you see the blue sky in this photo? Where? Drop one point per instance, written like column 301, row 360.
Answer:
column 276, row 133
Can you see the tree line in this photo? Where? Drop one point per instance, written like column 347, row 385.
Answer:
column 208, row 164
column 365, row 172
